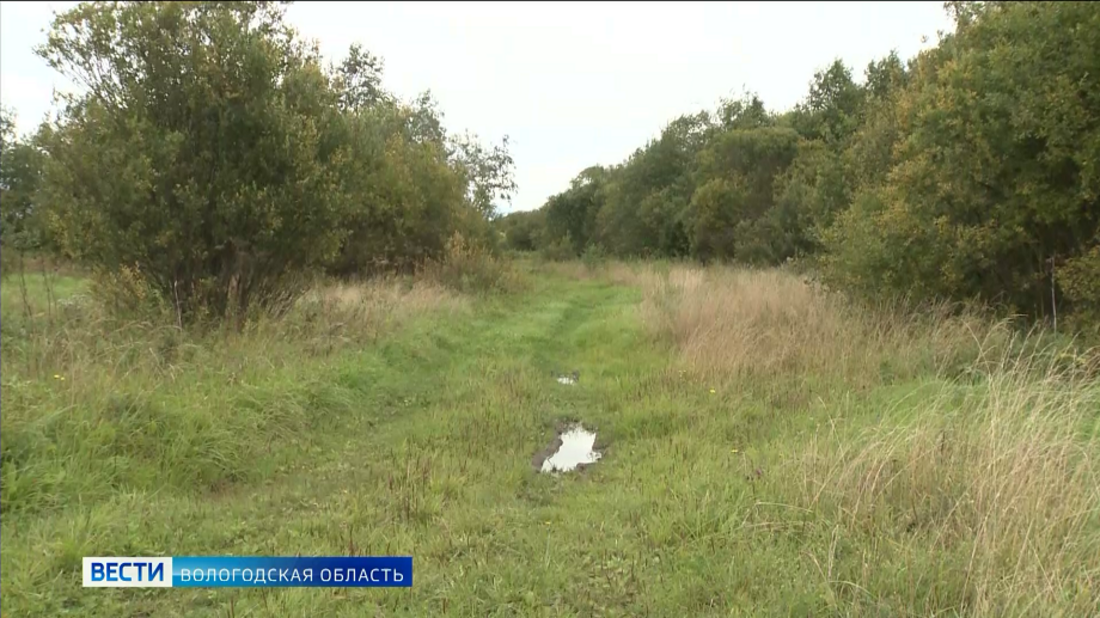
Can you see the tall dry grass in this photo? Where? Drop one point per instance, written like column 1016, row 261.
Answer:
column 984, row 502
column 365, row 309
column 727, row 323
column 87, row 332
column 988, row 499
column 469, row 267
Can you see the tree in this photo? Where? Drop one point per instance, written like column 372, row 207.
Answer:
column 885, row 77
column 523, row 230
column 21, row 162
column 748, row 112
column 646, row 198
column 573, row 213
column 410, row 184
column 736, row 175
column 204, row 150
column 832, row 109
column 809, row 195
column 488, row 172
column 405, row 198
column 995, row 171
column 969, row 171
column 359, row 80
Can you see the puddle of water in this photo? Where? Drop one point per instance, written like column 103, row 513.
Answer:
column 570, row 379
column 575, row 449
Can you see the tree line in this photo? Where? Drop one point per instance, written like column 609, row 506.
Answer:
column 212, row 153
column 971, row 171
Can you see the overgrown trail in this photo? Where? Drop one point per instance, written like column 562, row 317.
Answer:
column 749, row 496
column 436, row 461
column 432, row 458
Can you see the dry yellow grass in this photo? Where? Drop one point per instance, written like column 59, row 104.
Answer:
column 80, row 331
column 615, row 271
column 1003, row 485
column 729, row 322
column 999, row 475
column 383, row 296
column 337, row 313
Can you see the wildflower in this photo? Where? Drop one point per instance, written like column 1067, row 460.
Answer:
column 734, row 451
column 712, row 391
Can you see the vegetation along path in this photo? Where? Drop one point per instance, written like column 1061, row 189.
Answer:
column 855, row 374
column 720, row 491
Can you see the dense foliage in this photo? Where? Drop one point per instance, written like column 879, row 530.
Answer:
column 20, row 175
column 970, row 171
column 211, row 152
column 214, row 157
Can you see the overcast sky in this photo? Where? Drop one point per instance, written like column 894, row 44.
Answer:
column 572, row 84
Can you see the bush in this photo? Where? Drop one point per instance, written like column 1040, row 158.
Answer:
column 470, row 267
column 593, row 257
column 1080, row 281
column 126, row 294
column 560, row 250
column 232, row 177
column 217, row 173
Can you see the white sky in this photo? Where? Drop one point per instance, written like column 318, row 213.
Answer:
column 572, row 83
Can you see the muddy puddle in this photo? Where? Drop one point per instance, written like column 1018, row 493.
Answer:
column 573, row 448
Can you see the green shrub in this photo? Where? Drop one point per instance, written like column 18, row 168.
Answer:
column 560, row 250
column 126, row 294
column 229, row 178
column 1080, row 281
column 470, row 267
column 593, row 257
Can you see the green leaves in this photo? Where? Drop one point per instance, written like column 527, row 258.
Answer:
column 21, row 163
column 970, row 171
column 213, row 150
column 573, row 212
column 195, row 151
column 834, row 105
column 993, row 154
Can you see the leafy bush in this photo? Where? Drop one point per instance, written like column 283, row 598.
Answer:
column 216, row 173
column 470, row 267
column 126, row 294
column 1080, row 279
column 559, row 250
column 20, row 175
column 593, row 257
column 229, row 178
column 522, row 230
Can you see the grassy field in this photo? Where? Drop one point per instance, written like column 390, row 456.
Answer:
column 768, row 450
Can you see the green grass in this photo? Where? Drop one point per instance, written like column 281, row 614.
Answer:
column 34, row 291
column 417, row 438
